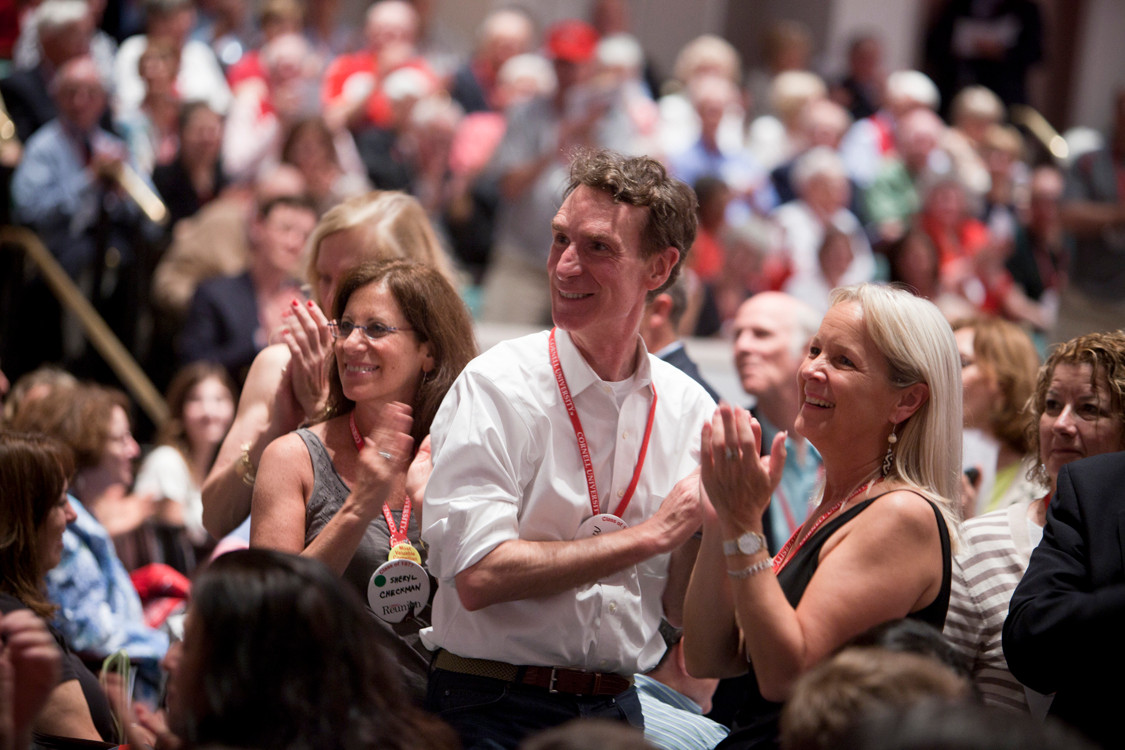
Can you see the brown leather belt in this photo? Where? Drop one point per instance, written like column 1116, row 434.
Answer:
column 552, row 679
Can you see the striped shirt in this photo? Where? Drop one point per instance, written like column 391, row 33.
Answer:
column 673, row 721
column 995, row 550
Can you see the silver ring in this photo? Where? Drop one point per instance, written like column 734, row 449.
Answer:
column 731, row 454
column 386, row 455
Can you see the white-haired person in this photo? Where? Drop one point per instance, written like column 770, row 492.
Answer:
column 872, row 139
column 823, row 195
column 880, row 400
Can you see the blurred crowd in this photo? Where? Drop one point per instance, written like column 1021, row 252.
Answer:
column 805, row 181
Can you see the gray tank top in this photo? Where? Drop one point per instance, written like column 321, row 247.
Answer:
column 328, row 495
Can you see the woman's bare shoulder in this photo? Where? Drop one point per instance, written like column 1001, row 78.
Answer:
column 904, row 508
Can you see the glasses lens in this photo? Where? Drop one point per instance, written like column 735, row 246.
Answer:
column 377, row 331
column 343, row 329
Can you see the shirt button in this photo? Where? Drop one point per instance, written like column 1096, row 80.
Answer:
column 625, row 435
column 613, row 606
column 621, row 493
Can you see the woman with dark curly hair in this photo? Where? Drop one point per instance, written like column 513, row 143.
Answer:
column 1077, row 410
column 279, row 654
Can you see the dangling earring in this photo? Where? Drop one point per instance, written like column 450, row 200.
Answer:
column 889, row 458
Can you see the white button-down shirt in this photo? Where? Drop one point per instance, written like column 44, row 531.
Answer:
column 507, row 466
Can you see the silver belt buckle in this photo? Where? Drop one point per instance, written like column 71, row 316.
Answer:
column 554, row 679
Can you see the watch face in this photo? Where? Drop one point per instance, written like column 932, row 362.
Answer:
column 748, row 544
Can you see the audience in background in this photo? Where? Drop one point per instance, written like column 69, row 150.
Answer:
column 232, row 318
column 998, row 367
column 201, row 402
column 200, row 76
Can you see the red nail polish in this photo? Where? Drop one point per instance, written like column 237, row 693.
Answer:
column 295, row 303
column 310, row 304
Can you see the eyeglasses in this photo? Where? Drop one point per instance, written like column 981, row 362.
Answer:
column 375, row 331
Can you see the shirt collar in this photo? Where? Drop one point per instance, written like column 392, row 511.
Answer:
column 579, row 374
column 667, row 694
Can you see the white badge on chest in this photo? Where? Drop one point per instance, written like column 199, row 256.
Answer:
column 602, row 523
column 398, row 588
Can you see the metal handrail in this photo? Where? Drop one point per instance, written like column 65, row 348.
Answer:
column 1043, row 131
column 97, row 331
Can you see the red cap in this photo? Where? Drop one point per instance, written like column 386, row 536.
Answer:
column 572, row 41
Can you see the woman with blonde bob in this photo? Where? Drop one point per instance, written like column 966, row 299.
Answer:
column 287, row 384
column 880, row 400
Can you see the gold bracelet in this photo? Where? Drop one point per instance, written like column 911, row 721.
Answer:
column 754, row 569
column 245, row 468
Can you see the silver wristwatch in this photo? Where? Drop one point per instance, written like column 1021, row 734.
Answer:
column 747, row 544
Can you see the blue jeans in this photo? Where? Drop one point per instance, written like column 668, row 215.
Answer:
column 496, row 715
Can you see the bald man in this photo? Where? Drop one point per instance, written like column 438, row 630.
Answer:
column 771, row 334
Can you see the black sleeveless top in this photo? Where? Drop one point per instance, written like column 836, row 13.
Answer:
column 755, row 725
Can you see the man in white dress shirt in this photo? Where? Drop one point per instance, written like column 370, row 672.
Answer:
column 556, row 508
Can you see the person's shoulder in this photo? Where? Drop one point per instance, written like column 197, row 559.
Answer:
column 671, row 379
column 264, row 376
column 27, row 81
column 985, row 524
column 161, row 457
column 9, row 603
column 224, row 286
column 288, row 454
column 512, row 358
column 46, row 137
column 133, row 45
column 199, row 49
column 1103, row 467
column 350, row 62
column 905, row 509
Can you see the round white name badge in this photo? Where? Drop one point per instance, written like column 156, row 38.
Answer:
column 397, row 588
column 603, row 523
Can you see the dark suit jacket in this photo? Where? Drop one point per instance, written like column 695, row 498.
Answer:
column 679, row 358
column 221, row 325
column 28, row 101
column 1065, row 631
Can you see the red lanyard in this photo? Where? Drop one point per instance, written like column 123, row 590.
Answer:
column 398, row 535
column 584, row 449
column 782, row 558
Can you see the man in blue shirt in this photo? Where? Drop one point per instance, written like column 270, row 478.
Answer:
column 673, row 702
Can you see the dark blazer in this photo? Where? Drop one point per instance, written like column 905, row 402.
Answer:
column 679, row 358
column 222, row 324
column 29, row 103
column 1065, row 631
